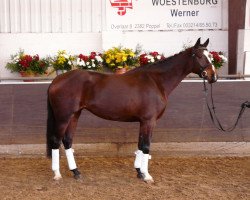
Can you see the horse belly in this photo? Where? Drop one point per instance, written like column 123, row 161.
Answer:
column 114, row 112
column 117, row 107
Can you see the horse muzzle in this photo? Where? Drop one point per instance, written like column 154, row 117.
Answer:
column 210, row 78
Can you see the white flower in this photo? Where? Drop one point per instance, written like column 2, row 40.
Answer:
column 87, row 63
column 98, row 58
column 89, row 66
column 224, row 59
column 78, row 60
column 158, row 57
column 82, row 63
column 66, row 56
column 69, row 62
column 93, row 65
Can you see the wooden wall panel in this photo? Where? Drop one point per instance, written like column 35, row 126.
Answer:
column 46, row 22
column 51, row 16
column 25, row 13
column 76, row 16
column 36, row 16
column 86, row 16
column 15, row 16
column 4, row 16
column 66, row 14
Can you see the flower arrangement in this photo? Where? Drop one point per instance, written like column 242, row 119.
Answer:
column 92, row 61
column 28, row 64
column 150, row 57
column 62, row 61
column 118, row 57
column 218, row 59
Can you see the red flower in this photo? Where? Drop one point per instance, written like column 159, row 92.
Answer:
column 36, row 57
column 154, row 53
column 143, row 59
column 216, row 56
column 83, row 57
column 25, row 61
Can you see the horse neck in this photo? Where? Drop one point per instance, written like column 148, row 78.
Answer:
column 175, row 69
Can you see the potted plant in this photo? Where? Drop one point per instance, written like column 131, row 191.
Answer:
column 28, row 65
column 120, row 59
column 150, row 57
column 218, row 59
column 62, row 62
column 93, row 61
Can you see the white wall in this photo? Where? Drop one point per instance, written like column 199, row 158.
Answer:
column 45, row 26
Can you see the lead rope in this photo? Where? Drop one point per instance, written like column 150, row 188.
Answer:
column 213, row 115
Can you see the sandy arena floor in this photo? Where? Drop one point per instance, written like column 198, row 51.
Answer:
column 114, row 178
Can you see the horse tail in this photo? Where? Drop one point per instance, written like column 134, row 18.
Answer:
column 50, row 128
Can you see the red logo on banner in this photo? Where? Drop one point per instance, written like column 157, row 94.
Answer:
column 122, row 5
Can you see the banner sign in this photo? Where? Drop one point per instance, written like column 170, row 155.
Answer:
column 126, row 15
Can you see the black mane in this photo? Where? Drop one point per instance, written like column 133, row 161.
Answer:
column 155, row 65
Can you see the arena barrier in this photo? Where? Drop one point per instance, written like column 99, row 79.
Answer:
column 186, row 120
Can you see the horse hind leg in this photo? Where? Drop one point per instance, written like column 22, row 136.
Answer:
column 56, row 164
column 67, row 142
column 55, row 145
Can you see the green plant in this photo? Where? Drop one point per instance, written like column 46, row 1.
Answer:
column 21, row 62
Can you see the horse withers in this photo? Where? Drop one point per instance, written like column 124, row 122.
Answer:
column 140, row 95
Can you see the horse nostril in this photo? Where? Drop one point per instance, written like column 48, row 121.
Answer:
column 204, row 74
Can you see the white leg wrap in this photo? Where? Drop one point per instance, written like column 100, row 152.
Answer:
column 55, row 159
column 138, row 159
column 70, row 159
column 144, row 167
column 55, row 164
column 144, row 163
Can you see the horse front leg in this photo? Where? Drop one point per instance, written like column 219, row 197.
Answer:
column 142, row 154
column 67, row 142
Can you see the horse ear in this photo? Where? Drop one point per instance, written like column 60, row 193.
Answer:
column 206, row 43
column 198, row 42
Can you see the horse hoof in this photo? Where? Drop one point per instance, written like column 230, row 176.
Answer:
column 77, row 176
column 150, row 181
column 147, row 178
column 57, row 178
column 140, row 176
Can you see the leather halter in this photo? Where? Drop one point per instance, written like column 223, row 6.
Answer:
column 202, row 68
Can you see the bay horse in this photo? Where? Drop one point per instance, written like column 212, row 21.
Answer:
column 140, row 95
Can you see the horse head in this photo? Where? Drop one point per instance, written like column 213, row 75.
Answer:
column 202, row 63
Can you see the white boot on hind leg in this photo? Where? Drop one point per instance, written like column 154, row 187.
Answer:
column 55, row 164
column 144, row 168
